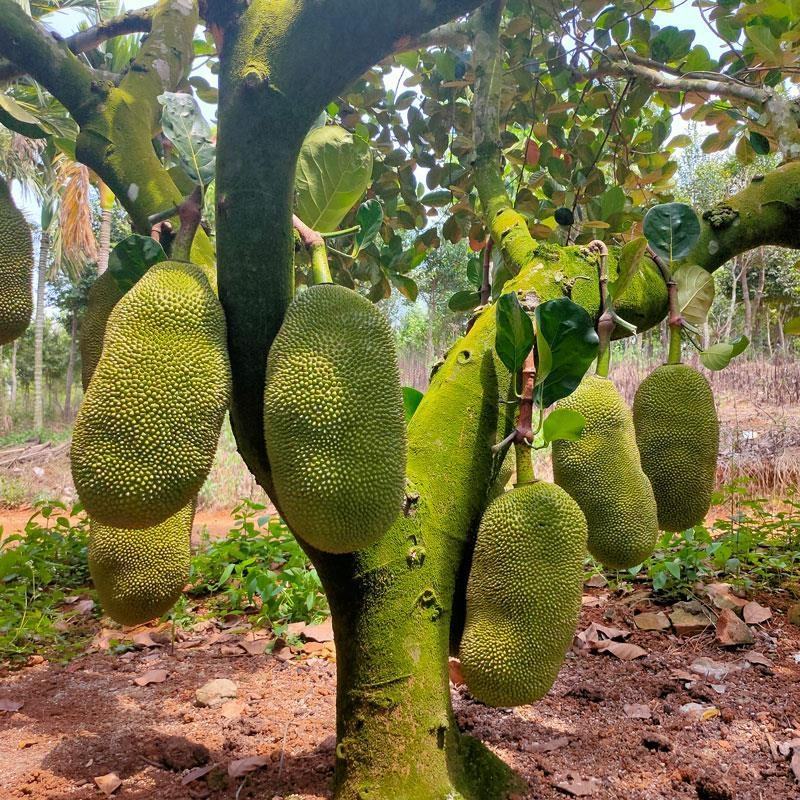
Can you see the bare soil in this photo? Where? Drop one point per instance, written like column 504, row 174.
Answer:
column 87, row 719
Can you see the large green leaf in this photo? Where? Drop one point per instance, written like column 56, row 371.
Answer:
column 563, row 424
column 672, row 229
column 695, row 293
column 369, row 219
column 411, row 399
column 132, row 257
column 565, row 336
column 333, row 172
column 718, row 356
column 186, row 127
column 464, row 301
column 514, row 334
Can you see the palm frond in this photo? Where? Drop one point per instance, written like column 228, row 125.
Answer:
column 78, row 244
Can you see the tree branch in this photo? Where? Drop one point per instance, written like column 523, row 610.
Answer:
column 457, row 34
column 767, row 212
column 139, row 21
column 33, row 50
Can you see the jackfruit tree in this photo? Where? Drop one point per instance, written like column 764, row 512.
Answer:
column 540, row 134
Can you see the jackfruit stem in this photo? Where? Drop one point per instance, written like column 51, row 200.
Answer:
column 486, row 286
column 320, row 269
column 189, row 213
column 675, row 324
column 525, row 471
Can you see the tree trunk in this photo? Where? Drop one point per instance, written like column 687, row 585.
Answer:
column 766, row 328
column 781, row 323
column 41, row 277
column 13, row 396
column 732, row 307
column 70, row 368
column 107, row 206
column 3, row 419
column 746, row 303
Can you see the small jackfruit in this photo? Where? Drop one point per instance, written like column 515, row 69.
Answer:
column 523, row 594
column 103, row 296
column 333, row 420
column 603, row 473
column 677, row 431
column 139, row 574
column 146, row 434
column 16, row 268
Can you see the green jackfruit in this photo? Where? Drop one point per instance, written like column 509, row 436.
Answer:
column 103, row 296
column 333, row 420
column 603, row 473
column 16, row 267
column 147, row 432
column 677, row 431
column 523, row 595
column 139, row 574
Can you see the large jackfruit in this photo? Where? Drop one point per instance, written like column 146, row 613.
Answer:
column 16, row 268
column 103, row 296
column 139, row 574
column 523, row 594
column 333, row 420
column 147, row 431
column 677, row 431
column 603, row 473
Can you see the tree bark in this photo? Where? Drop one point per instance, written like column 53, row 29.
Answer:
column 732, row 307
column 746, row 301
column 70, row 376
column 41, row 279
column 13, row 396
column 3, row 415
column 105, row 241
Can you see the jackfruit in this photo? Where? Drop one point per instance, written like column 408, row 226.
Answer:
column 333, row 420
column 677, row 431
column 146, row 434
column 16, row 268
column 103, row 296
column 603, row 473
column 523, row 594
column 139, row 574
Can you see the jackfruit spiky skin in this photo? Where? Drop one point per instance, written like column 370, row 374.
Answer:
column 103, row 296
column 523, row 594
column 603, row 473
column 333, row 420
column 677, row 431
column 146, row 434
column 139, row 574
column 16, row 268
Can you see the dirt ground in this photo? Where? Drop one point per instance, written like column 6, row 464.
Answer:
column 611, row 727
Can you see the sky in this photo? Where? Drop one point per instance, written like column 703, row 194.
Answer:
column 685, row 16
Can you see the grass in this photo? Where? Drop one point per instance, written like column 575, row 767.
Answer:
column 258, row 569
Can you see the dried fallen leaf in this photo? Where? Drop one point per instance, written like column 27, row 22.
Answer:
column 243, row 766
column 151, row 676
column 637, row 711
column 196, row 773
column 579, row 787
column 597, row 581
column 456, row 675
column 10, row 705
column 754, row 657
column 795, row 764
column 319, row 633
column 255, row 647
column 550, row 745
column 755, row 614
column 108, row 784
column 143, row 639
column 622, row 650
column 85, row 606
column 714, row 670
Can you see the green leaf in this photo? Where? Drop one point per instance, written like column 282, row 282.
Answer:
column 370, row 218
column 695, row 293
column 670, row 44
column 205, row 91
column 563, row 425
column 612, row 202
column 514, row 334
column 132, row 257
column 792, row 327
column 718, row 356
column 405, row 285
column 333, row 171
column 565, row 334
column 185, row 126
column 17, row 118
column 475, row 271
column 629, row 260
column 411, row 399
column 464, row 301
column 672, row 230
column 759, row 143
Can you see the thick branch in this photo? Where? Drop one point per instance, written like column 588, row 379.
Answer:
column 767, row 212
column 139, row 21
column 281, row 63
column 34, row 51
